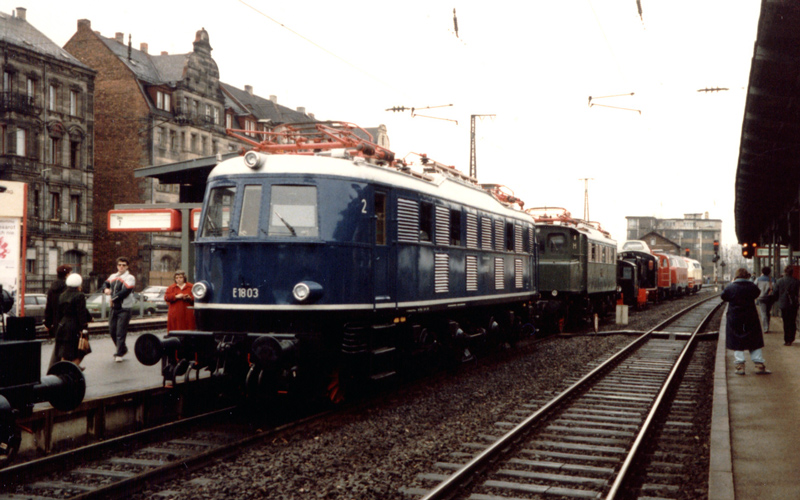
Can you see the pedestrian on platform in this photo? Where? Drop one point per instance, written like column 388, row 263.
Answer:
column 179, row 296
column 51, row 306
column 73, row 321
column 119, row 287
column 788, row 288
column 743, row 330
column 767, row 298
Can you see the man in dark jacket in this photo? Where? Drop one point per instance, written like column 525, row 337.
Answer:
column 743, row 330
column 788, row 289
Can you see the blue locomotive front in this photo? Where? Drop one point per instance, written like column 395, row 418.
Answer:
column 332, row 266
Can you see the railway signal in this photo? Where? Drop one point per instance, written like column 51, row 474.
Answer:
column 749, row 250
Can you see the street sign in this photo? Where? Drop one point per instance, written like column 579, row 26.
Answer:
column 767, row 251
column 144, row 219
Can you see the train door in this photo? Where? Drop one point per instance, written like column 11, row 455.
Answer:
column 383, row 278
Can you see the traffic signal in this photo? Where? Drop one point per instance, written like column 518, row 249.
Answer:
column 687, row 252
column 716, row 247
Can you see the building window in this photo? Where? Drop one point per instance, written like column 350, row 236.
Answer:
column 31, row 87
column 160, row 137
column 37, row 210
column 75, row 208
column 51, row 97
column 55, row 206
column 30, row 261
column 163, row 101
column 8, row 79
column 228, row 121
column 195, row 107
column 193, row 146
column 173, row 141
column 216, row 116
column 73, row 103
column 54, row 145
column 204, row 145
column 73, row 258
column 22, row 142
column 74, row 154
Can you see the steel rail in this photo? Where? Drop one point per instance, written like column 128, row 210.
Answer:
column 682, row 360
column 448, row 486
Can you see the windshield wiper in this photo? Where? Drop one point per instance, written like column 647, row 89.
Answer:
column 288, row 226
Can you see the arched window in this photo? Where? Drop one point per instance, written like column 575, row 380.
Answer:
column 74, row 258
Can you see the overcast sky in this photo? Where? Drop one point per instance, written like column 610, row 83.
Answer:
column 532, row 64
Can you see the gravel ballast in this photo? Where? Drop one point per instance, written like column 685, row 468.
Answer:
column 371, row 453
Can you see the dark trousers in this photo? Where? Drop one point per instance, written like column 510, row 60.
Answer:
column 789, row 315
column 118, row 328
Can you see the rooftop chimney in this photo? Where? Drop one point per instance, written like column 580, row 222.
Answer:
column 85, row 24
column 301, row 109
column 143, row 47
column 274, row 99
column 119, row 37
column 22, row 13
column 248, row 89
column 164, row 53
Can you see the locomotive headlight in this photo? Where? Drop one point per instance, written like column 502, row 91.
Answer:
column 253, row 160
column 554, row 293
column 200, row 290
column 301, row 292
column 307, row 291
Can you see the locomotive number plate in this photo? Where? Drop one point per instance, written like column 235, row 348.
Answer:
column 245, row 293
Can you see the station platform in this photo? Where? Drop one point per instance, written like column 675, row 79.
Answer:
column 105, row 377
column 755, row 437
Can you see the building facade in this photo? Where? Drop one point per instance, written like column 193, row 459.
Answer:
column 47, row 128
column 157, row 110
column 695, row 232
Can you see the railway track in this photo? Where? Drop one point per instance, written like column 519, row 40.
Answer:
column 120, row 467
column 584, row 442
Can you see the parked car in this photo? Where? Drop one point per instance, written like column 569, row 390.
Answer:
column 98, row 305
column 155, row 294
column 34, row 306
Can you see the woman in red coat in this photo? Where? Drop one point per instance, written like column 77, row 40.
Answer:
column 180, row 298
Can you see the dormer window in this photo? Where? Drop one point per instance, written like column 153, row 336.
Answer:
column 163, row 101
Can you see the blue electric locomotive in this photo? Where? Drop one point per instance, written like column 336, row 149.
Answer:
column 319, row 258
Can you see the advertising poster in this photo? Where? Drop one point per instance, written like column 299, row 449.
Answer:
column 9, row 253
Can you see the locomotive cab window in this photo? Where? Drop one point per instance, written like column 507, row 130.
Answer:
column 293, row 211
column 251, row 209
column 218, row 212
column 556, row 243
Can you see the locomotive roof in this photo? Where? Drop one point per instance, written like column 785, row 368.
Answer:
column 593, row 233
column 433, row 184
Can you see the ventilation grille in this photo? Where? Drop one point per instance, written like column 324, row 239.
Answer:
column 499, row 240
column 486, row 233
column 472, row 231
column 442, row 226
column 518, row 273
column 517, row 238
column 407, row 221
column 472, row 273
column 441, row 273
column 499, row 273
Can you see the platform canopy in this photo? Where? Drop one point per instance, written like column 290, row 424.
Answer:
column 190, row 174
column 768, row 173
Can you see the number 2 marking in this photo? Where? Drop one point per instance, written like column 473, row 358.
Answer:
column 363, row 206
